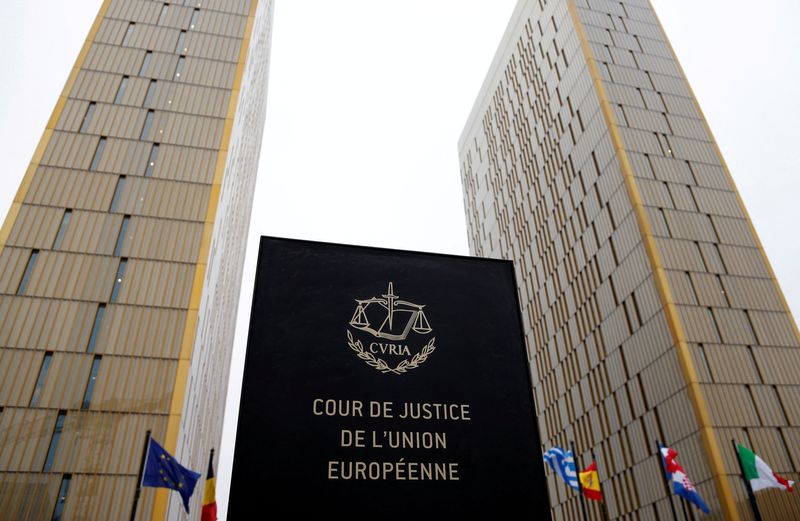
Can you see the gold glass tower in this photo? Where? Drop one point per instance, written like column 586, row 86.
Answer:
column 121, row 258
column 650, row 309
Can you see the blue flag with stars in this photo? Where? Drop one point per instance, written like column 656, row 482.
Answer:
column 162, row 470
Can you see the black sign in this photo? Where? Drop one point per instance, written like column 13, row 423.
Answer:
column 384, row 384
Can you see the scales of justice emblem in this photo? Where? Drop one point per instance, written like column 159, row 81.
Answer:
column 389, row 321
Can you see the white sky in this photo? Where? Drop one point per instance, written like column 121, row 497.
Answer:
column 367, row 100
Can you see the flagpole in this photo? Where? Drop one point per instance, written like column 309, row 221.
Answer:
column 666, row 483
column 139, row 477
column 578, row 468
column 685, row 511
column 750, row 494
column 603, row 508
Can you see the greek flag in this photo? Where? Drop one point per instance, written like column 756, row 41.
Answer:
column 563, row 464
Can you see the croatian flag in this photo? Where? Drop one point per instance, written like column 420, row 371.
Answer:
column 681, row 483
column 563, row 463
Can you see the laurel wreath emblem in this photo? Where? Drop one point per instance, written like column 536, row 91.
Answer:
column 380, row 365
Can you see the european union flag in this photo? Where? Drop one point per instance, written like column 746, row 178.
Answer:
column 162, row 470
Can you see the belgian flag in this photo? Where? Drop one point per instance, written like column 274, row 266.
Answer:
column 209, row 497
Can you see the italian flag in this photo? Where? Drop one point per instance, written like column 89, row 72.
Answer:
column 758, row 472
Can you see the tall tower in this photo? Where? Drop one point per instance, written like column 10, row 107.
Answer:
column 650, row 309
column 121, row 258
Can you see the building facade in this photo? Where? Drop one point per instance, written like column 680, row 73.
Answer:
column 121, row 258
column 650, row 309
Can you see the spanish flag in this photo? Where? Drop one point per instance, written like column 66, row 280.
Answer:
column 209, row 497
column 590, row 483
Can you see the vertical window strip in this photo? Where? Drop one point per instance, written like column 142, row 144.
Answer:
column 98, row 322
column 128, row 33
column 149, row 96
column 87, row 117
column 179, row 47
column 121, row 90
column 54, row 439
column 63, row 490
column 37, row 391
column 193, row 21
column 179, row 66
column 62, row 229
column 145, row 63
column 123, row 263
column 26, row 275
column 117, row 193
column 148, row 121
column 151, row 161
column 163, row 16
column 87, row 396
column 123, row 232
column 98, row 153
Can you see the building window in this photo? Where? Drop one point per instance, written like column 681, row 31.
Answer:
column 123, row 231
column 51, row 451
column 149, row 96
column 62, row 228
column 101, row 144
column 151, row 161
column 98, row 153
column 163, row 16
column 26, row 276
column 179, row 47
column 193, row 22
column 121, row 90
column 98, row 321
column 117, row 193
column 87, row 396
column 148, row 121
column 37, row 391
column 145, row 63
column 87, row 117
column 62, row 497
column 123, row 263
column 179, row 66
column 128, row 33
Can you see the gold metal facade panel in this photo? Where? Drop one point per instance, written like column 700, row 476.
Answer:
column 23, row 318
column 28, row 495
column 153, row 283
column 24, row 438
column 134, row 384
column 543, row 186
column 177, row 241
column 66, row 381
column 142, row 331
column 18, row 371
column 107, row 246
column 105, row 497
column 70, row 275
column 71, row 189
column 164, row 199
column 194, row 165
column 12, row 265
column 35, row 227
column 91, row 232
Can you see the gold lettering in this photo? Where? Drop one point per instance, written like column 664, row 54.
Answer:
column 399, row 470
column 351, row 438
column 380, row 410
column 345, row 408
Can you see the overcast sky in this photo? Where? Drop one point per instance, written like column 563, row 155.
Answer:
column 367, row 100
